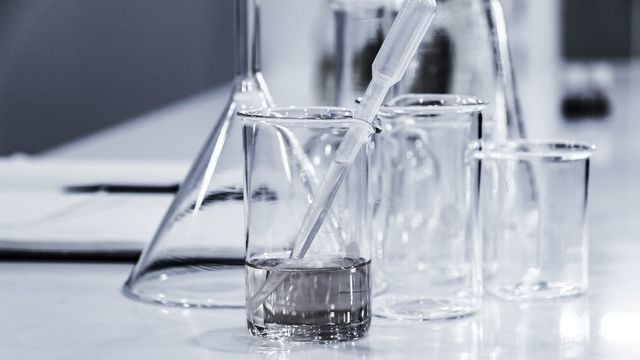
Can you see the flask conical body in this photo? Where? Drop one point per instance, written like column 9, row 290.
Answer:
column 196, row 257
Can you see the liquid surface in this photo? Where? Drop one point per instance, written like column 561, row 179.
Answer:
column 316, row 300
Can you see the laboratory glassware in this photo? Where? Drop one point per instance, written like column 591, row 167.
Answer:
column 533, row 208
column 468, row 53
column 326, row 295
column 360, row 28
column 196, row 258
column 389, row 66
column 465, row 52
column 427, row 250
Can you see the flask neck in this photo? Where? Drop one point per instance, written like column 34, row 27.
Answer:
column 248, row 37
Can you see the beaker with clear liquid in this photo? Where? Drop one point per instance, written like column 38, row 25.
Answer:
column 325, row 295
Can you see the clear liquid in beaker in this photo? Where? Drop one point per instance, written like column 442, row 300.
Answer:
column 319, row 300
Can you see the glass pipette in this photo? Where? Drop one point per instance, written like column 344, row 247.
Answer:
column 389, row 66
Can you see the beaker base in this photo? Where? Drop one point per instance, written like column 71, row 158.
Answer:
column 310, row 333
column 536, row 291
column 423, row 308
column 220, row 286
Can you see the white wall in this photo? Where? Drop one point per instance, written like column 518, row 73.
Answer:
column 293, row 38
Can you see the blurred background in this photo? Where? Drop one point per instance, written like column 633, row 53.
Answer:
column 72, row 68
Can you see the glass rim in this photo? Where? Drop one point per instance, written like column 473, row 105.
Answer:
column 322, row 115
column 546, row 149
column 432, row 104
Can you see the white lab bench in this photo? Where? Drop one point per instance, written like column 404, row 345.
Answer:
column 67, row 310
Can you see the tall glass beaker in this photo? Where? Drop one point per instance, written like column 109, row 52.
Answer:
column 196, row 258
column 465, row 52
column 360, row 28
column 468, row 53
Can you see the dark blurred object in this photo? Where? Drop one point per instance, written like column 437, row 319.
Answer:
column 434, row 70
column 366, row 55
column 597, row 29
column 71, row 67
column 587, row 91
column 592, row 105
column 122, row 189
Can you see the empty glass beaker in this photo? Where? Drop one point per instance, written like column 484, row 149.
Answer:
column 424, row 185
column 533, row 206
column 196, row 257
column 325, row 295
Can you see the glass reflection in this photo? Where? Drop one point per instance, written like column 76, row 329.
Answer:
column 451, row 339
column 558, row 330
column 620, row 327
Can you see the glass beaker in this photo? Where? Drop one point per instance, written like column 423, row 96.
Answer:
column 360, row 27
column 196, row 256
column 533, row 206
column 324, row 296
column 426, row 247
column 466, row 51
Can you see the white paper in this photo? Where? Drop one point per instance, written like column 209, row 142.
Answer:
column 36, row 214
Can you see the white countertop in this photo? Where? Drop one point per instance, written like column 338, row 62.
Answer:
column 76, row 310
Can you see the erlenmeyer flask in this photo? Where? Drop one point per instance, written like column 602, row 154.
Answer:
column 196, row 258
